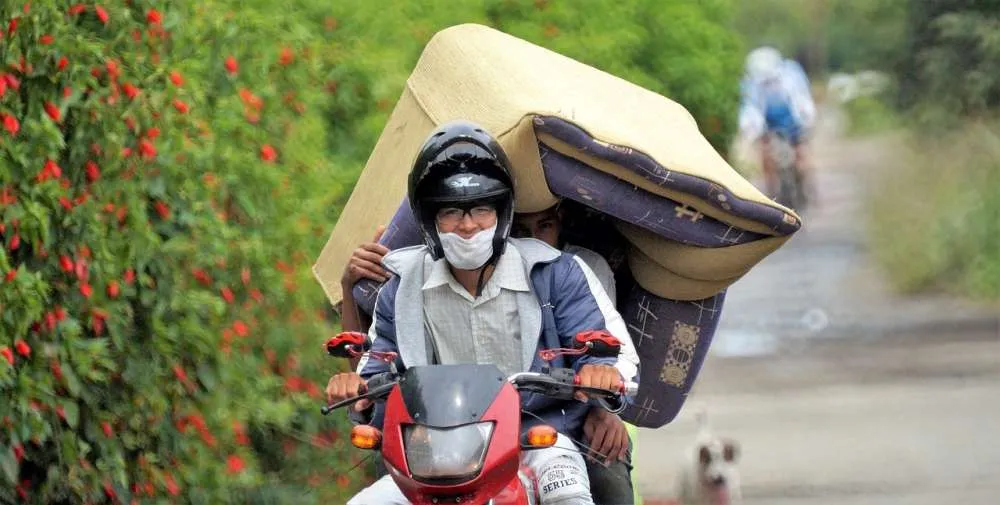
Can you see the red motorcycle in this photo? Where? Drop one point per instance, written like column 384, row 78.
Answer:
column 452, row 433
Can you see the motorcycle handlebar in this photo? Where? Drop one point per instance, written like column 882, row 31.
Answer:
column 561, row 383
column 557, row 383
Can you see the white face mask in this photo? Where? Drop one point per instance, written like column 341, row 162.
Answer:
column 471, row 253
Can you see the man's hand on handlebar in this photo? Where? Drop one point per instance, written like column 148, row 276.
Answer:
column 344, row 386
column 597, row 376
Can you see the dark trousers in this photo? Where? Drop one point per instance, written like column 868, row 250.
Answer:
column 612, row 484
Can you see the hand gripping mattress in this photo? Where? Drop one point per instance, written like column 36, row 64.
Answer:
column 642, row 185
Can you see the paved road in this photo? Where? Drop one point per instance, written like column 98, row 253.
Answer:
column 840, row 392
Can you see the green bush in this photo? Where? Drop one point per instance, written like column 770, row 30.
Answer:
column 868, row 115
column 937, row 227
column 156, row 332
column 683, row 50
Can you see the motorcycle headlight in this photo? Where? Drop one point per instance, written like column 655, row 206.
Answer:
column 448, row 453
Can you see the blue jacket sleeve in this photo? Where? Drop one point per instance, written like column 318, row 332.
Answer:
column 576, row 309
column 382, row 332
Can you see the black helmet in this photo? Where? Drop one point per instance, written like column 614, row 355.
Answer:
column 459, row 165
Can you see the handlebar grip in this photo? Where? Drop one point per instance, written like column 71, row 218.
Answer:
column 378, row 380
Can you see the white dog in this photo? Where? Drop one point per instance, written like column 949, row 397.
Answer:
column 709, row 475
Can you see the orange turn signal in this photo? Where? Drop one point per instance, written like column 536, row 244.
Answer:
column 364, row 436
column 542, row 436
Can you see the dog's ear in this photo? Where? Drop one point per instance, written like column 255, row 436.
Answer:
column 730, row 450
column 704, row 455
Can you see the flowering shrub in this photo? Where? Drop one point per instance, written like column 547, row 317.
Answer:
column 155, row 340
column 168, row 171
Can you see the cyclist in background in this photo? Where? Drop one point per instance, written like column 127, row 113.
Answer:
column 776, row 98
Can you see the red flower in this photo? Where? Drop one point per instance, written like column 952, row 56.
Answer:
column 180, row 373
column 241, row 328
column 60, row 313
column 66, row 263
column 66, row 203
column 97, row 319
column 22, row 348
column 11, row 124
column 256, row 295
column 3, row 86
column 81, row 269
column 240, row 433
column 313, row 390
column 112, row 67
column 147, row 148
column 162, row 209
column 234, row 464
column 10, row 275
column 52, row 169
column 129, row 276
column 245, row 276
column 92, row 170
column 86, row 290
column 46, row 39
column 153, row 132
column 18, row 452
column 287, row 56
column 77, row 9
column 113, row 289
column 154, row 17
column 108, row 432
column 176, row 78
column 181, row 106
column 109, row 490
column 6, row 352
column 63, row 61
column 202, row 277
column 343, row 481
column 130, row 90
column 12, row 82
column 12, row 26
column 231, row 65
column 15, row 242
column 52, row 111
column 293, row 383
column 267, row 153
column 67, row 91
column 56, row 370
column 171, row 484
column 227, row 294
column 101, row 14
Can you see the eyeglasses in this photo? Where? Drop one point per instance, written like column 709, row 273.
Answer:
column 451, row 216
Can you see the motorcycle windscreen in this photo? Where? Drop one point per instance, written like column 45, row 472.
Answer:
column 450, row 395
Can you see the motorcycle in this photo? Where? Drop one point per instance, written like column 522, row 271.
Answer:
column 452, row 433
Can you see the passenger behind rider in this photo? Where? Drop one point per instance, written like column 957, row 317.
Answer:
column 776, row 97
column 468, row 288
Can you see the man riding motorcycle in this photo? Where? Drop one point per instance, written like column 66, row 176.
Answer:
column 776, row 98
column 472, row 294
column 610, row 439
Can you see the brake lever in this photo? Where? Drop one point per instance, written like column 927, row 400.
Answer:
column 375, row 394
